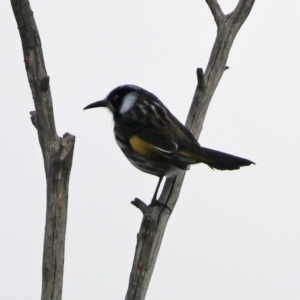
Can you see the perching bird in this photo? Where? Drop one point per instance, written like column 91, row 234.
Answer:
column 153, row 140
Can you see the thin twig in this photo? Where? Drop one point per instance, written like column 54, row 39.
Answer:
column 138, row 203
column 216, row 11
column 201, row 79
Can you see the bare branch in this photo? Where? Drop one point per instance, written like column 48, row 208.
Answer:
column 217, row 65
column 243, row 7
column 155, row 220
column 142, row 206
column 57, row 152
column 216, row 11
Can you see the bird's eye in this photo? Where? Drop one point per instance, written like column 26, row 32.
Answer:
column 115, row 97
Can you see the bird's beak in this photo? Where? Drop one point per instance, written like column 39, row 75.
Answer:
column 101, row 103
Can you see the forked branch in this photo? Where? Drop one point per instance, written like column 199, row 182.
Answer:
column 155, row 218
column 216, row 11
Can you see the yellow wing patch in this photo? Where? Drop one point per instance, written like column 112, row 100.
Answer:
column 186, row 153
column 189, row 156
column 142, row 147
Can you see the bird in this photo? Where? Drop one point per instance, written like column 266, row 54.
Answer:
column 154, row 140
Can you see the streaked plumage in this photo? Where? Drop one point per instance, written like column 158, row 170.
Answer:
column 153, row 140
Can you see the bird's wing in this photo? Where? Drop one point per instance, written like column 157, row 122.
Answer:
column 151, row 142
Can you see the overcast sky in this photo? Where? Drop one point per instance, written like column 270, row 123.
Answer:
column 233, row 235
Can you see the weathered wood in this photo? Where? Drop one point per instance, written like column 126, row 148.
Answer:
column 57, row 152
column 155, row 218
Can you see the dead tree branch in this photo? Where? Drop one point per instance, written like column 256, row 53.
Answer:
column 57, row 152
column 216, row 11
column 155, row 218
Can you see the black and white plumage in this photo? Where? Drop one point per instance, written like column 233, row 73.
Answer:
column 153, row 139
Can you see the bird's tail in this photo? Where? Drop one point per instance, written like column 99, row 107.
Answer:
column 219, row 160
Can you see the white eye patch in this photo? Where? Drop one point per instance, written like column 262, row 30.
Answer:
column 128, row 102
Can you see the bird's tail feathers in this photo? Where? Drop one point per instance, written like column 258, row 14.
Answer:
column 216, row 159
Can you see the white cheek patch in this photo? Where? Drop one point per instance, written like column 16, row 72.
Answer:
column 128, row 102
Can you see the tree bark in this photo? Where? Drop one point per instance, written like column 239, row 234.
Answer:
column 57, row 152
column 155, row 219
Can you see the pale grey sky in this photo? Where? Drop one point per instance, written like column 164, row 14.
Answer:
column 232, row 235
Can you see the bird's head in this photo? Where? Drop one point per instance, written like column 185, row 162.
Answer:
column 119, row 100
